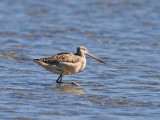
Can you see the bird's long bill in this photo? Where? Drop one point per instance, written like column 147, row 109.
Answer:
column 95, row 58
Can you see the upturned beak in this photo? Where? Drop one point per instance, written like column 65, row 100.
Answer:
column 95, row 57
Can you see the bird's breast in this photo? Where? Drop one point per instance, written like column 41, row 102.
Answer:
column 73, row 68
column 80, row 66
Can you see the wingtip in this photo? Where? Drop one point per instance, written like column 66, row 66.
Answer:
column 35, row 60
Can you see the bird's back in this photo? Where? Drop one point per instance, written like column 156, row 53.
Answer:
column 60, row 57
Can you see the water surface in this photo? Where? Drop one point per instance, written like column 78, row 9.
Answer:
column 125, row 34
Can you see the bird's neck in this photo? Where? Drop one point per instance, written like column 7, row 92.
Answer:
column 80, row 54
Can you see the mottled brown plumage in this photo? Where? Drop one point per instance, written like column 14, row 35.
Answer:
column 65, row 63
column 60, row 57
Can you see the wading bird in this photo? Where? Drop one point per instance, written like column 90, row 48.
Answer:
column 66, row 63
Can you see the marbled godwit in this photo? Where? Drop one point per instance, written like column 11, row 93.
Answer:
column 66, row 63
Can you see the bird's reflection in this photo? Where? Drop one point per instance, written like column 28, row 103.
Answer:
column 68, row 89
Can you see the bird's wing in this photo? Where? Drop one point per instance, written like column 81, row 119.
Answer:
column 60, row 57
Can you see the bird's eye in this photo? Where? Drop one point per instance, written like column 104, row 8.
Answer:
column 84, row 49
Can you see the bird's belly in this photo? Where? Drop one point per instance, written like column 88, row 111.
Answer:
column 73, row 68
column 53, row 69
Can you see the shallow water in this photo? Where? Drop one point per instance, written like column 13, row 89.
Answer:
column 124, row 33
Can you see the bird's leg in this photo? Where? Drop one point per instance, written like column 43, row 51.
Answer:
column 59, row 79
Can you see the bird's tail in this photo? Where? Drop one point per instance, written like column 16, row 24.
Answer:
column 36, row 60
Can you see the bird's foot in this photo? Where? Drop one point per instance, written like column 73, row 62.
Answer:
column 74, row 83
